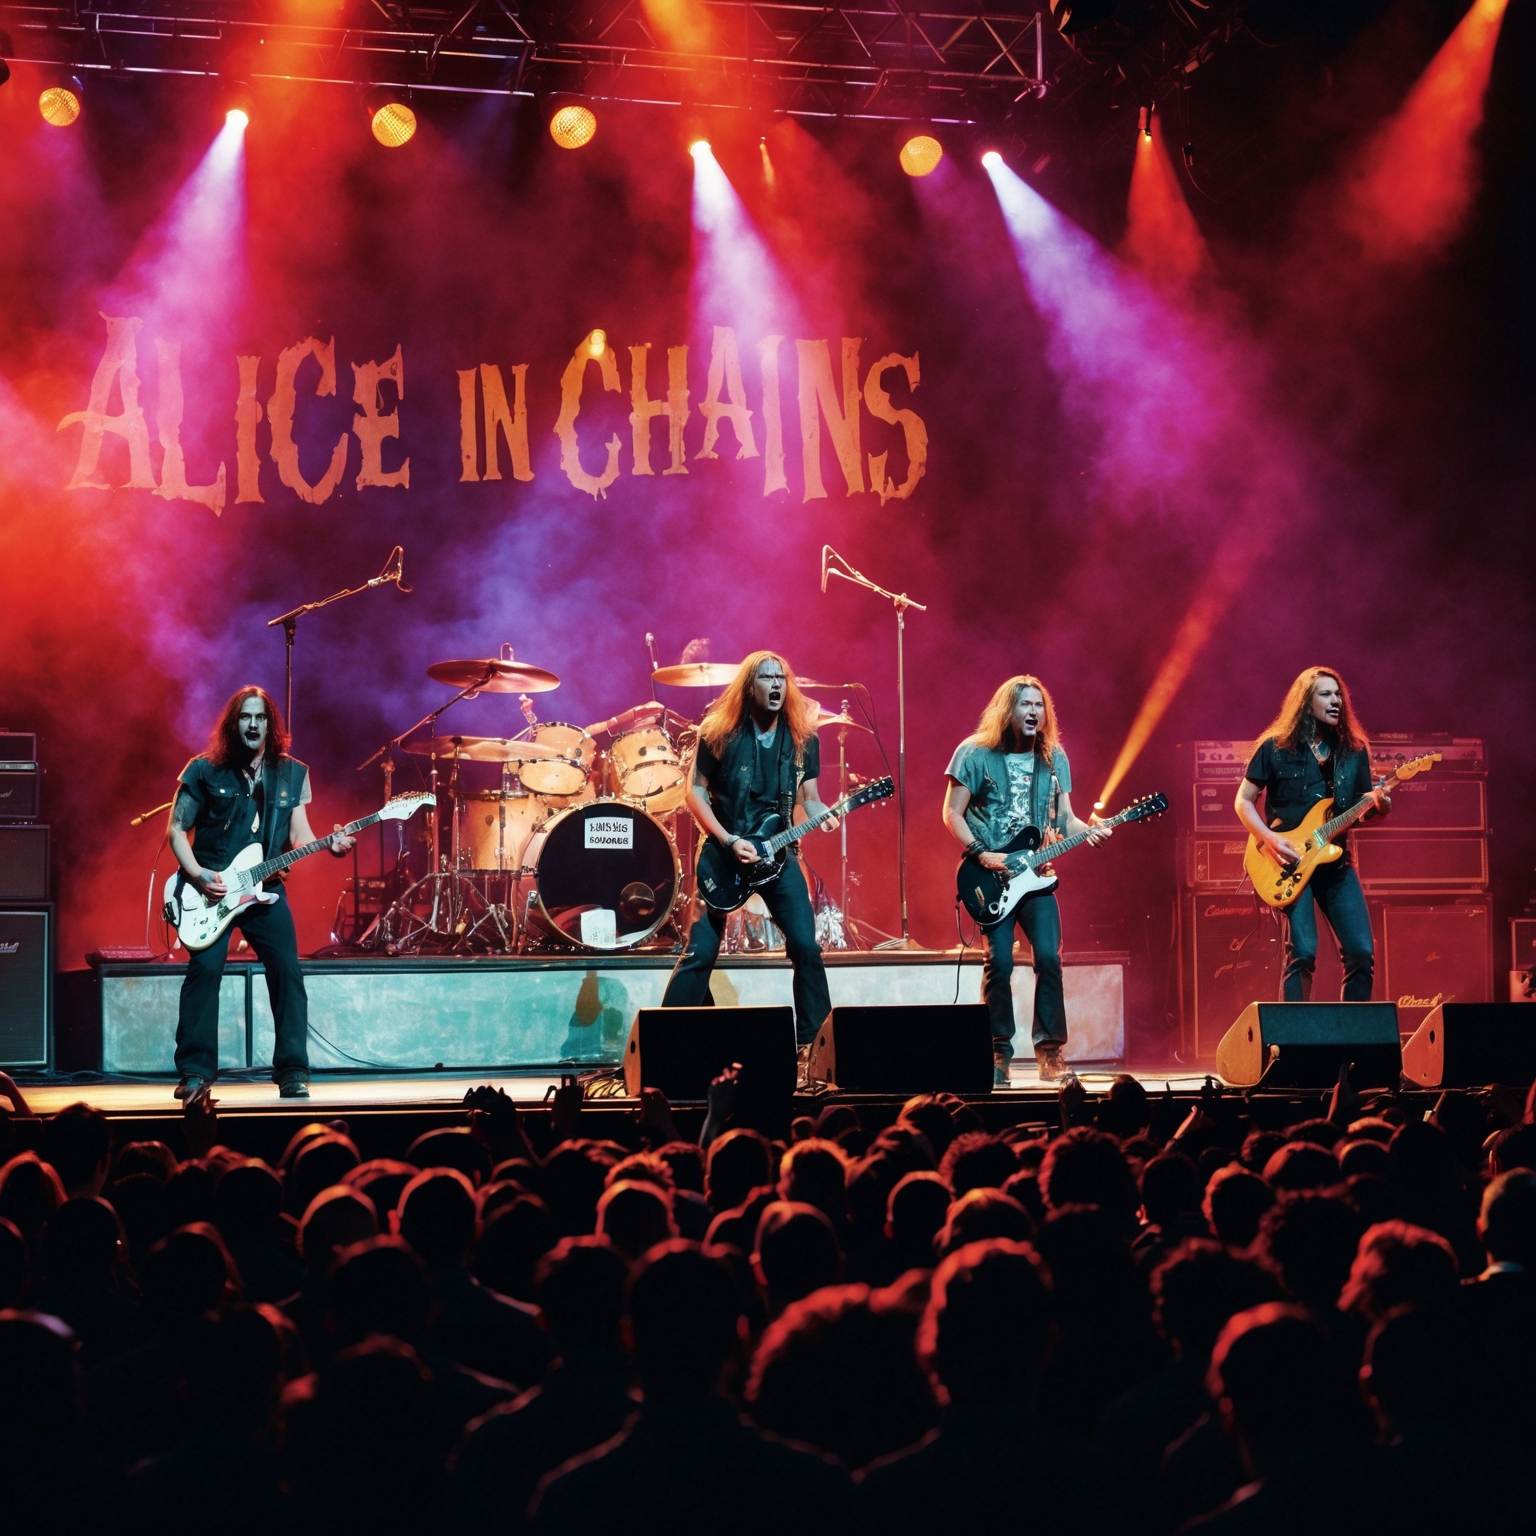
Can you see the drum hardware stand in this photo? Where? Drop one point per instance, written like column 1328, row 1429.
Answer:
column 901, row 602
column 394, row 571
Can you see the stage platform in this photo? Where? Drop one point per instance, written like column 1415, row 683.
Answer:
column 492, row 1014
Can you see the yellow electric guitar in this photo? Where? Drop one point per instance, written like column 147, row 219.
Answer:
column 1280, row 884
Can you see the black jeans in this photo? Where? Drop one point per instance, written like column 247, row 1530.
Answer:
column 269, row 931
column 789, row 903
column 1336, row 889
column 1040, row 918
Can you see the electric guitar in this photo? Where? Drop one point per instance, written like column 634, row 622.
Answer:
column 725, row 882
column 199, row 920
column 990, row 895
column 1277, row 884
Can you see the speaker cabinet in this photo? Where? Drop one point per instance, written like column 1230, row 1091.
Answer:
column 1231, row 957
column 921, row 1048
column 26, row 986
column 1303, row 1045
column 23, row 863
column 1468, row 1045
column 1435, row 954
column 681, row 1050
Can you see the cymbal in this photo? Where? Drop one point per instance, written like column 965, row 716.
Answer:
column 826, row 720
column 806, row 682
column 493, row 676
column 697, row 674
column 483, row 749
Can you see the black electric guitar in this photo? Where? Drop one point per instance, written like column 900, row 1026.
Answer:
column 725, row 882
column 990, row 895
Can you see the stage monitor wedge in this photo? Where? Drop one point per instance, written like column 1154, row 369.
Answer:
column 1469, row 1045
column 920, row 1048
column 1302, row 1045
column 682, row 1050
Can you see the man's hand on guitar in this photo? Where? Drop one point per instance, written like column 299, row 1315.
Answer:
column 210, row 883
column 1281, row 849
column 744, row 850
column 339, row 841
column 992, row 861
column 1102, row 832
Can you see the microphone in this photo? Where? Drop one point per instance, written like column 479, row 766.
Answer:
column 527, row 706
column 650, row 646
column 394, row 570
column 826, row 549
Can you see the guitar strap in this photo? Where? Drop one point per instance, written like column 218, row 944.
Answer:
column 786, row 778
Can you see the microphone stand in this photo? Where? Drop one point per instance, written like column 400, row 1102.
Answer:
column 393, row 571
column 900, row 602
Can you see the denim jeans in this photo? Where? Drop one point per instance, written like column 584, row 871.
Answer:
column 1040, row 918
column 1336, row 889
column 789, row 903
column 269, row 931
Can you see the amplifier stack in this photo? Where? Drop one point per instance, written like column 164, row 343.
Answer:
column 26, row 918
column 1424, row 872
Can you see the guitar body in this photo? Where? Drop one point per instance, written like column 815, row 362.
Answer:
column 200, row 921
column 1278, row 885
column 725, row 882
column 990, row 895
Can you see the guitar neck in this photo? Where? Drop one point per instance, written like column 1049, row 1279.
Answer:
column 1332, row 827
column 794, row 834
column 1050, row 851
column 283, row 860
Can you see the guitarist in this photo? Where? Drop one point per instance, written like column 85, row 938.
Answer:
column 758, row 755
column 244, row 789
column 1314, row 748
column 1009, row 775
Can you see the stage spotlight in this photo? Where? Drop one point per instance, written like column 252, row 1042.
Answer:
column 391, row 117
column 573, row 125
column 597, row 343
column 236, row 103
column 921, row 154
column 59, row 101
column 991, row 159
column 1074, row 16
column 699, row 148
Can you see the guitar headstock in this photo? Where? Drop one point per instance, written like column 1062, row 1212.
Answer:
column 878, row 789
column 1415, row 765
column 1147, row 806
column 403, row 807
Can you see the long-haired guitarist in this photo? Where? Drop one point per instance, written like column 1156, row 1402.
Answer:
column 244, row 789
column 1011, row 773
column 1314, row 748
column 758, row 756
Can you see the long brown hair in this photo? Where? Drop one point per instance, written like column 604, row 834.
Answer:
column 1295, row 727
column 733, row 706
column 995, row 728
column 227, row 750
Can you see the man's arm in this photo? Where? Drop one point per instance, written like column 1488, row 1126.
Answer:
column 183, row 815
column 300, row 832
column 956, row 798
column 1074, row 824
column 704, row 813
column 1280, row 847
column 809, row 799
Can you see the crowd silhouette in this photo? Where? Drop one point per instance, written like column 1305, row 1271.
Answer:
column 1128, row 1321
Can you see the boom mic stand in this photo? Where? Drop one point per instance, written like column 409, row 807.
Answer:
column 901, row 602
column 394, row 570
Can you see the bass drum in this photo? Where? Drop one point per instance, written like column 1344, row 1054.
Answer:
column 602, row 875
column 565, row 776
column 482, row 844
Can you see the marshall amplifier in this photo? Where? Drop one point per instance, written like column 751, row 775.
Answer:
column 26, row 986
column 1392, row 860
column 19, row 782
column 1217, row 862
column 1434, row 955
column 1460, row 756
column 24, row 863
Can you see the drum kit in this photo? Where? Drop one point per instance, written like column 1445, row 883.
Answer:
column 584, row 843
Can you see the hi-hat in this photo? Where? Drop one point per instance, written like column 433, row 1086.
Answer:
column 697, row 674
column 483, row 749
column 493, row 675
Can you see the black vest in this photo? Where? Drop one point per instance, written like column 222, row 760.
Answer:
column 226, row 808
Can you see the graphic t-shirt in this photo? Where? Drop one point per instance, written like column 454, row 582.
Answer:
column 1021, row 789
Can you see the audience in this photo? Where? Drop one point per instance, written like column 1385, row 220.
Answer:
column 1318, row 1324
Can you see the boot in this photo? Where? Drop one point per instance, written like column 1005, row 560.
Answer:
column 1052, row 1068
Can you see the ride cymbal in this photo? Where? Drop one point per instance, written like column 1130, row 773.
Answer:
column 483, row 749
column 491, row 675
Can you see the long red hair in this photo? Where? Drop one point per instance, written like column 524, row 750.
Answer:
column 1295, row 727
column 995, row 729
column 734, row 706
column 227, row 750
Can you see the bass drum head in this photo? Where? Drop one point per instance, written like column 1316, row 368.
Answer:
column 563, row 775
column 601, row 875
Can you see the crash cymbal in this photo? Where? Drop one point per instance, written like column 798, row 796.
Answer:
column 826, row 720
column 806, row 683
column 697, row 674
column 492, row 675
column 483, row 749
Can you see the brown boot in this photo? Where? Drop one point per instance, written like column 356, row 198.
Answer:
column 1052, row 1068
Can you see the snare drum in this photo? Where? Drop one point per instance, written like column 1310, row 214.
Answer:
column 647, row 768
column 482, row 844
column 600, row 875
column 567, row 774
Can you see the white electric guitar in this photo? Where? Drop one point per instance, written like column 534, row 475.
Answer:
column 198, row 920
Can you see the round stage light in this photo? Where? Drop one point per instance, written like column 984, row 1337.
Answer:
column 597, row 343
column 238, row 117
column 573, row 126
column 60, row 103
column 699, row 148
column 393, row 123
column 991, row 159
column 921, row 154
